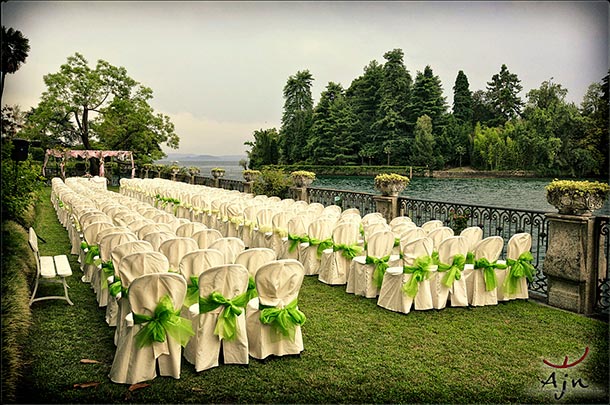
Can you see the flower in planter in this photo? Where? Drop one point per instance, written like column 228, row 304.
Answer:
column 251, row 175
column 193, row 170
column 302, row 178
column 217, row 172
column 391, row 184
column 577, row 197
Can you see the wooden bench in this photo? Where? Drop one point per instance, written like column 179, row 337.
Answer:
column 52, row 269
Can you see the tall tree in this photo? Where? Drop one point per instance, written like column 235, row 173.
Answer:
column 321, row 144
column 395, row 92
column 594, row 109
column 297, row 117
column 428, row 99
column 503, row 95
column 15, row 48
column 102, row 105
column 462, row 99
column 364, row 96
column 265, row 148
column 482, row 110
column 424, row 151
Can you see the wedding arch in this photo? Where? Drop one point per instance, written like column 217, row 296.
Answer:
column 87, row 154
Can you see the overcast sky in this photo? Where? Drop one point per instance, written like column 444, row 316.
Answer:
column 218, row 68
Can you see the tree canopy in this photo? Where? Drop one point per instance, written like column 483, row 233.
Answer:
column 15, row 48
column 99, row 108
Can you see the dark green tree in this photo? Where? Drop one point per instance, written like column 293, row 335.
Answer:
column 15, row 48
column 395, row 96
column 265, row 148
column 364, row 97
column 424, row 145
column 594, row 110
column 427, row 99
column 462, row 99
column 297, row 117
column 482, row 110
column 503, row 95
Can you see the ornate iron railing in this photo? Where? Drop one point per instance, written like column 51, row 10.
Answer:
column 602, row 243
column 229, row 184
column 503, row 222
column 345, row 199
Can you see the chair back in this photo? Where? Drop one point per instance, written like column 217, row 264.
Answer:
column 153, row 227
column 489, row 248
column 440, row 234
column 138, row 264
column 417, row 248
column 473, row 235
column 91, row 231
column 380, row 244
column 119, row 251
column 188, row 229
column 230, row 280
column 156, row 238
column 109, row 241
column 431, row 225
column 174, row 249
column 518, row 244
column 254, row 258
column 230, row 247
column 206, row 237
column 278, row 283
column 146, row 291
column 196, row 262
column 450, row 247
column 346, row 233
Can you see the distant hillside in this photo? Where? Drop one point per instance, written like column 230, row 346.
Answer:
column 184, row 157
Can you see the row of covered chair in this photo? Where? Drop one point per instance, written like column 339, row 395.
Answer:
column 117, row 258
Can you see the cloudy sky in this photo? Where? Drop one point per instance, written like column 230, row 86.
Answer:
column 218, row 68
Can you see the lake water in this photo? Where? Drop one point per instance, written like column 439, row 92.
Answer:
column 519, row 193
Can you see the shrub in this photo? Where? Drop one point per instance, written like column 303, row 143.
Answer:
column 272, row 182
column 18, row 270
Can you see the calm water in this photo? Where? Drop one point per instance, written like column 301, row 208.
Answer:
column 519, row 193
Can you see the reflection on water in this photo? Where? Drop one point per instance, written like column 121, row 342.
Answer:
column 519, row 193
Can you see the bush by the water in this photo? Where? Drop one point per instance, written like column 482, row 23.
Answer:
column 272, row 182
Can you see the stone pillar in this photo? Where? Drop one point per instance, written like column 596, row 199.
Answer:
column 217, row 182
column 248, row 186
column 301, row 194
column 387, row 206
column 570, row 264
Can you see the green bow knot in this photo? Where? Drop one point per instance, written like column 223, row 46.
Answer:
column 165, row 321
column 489, row 272
column 470, row 258
column 192, row 292
column 396, row 242
column 283, row 320
column 381, row 265
column 348, row 251
column 321, row 244
column 252, row 293
column 107, row 271
column 522, row 267
column 93, row 251
column 115, row 288
column 296, row 240
column 226, row 325
column 420, row 271
column 452, row 271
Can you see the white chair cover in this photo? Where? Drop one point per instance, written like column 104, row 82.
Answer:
column 254, row 258
column 490, row 249
column 132, row 364
column 392, row 295
column 230, row 247
column 297, row 227
column 517, row 245
column 153, row 227
column 361, row 276
column 320, row 232
column 336, row 260
column 188, row 229
column 206, row 237
column 98, row 279
column 432, row 224
column 278, row 285
column 174, row 249
column 157, row 238
column 440, row 234
column 448, row 249
column 203, row 350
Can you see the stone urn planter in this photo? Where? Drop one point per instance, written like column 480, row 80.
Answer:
column 251, row 175
column 217, row 172
column 391, row 184
column 577, row 197
column 303, row 178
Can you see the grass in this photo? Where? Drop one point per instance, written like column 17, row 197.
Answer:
column 355, row 352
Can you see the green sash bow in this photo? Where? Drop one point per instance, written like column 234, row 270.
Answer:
column 421, row 271
column 452, row 271
column 321, row 244
column 165, row 321
column 283, row 320
column 107, row 271
column 295, row 240
column 470, row 258
column 192, row 292
column 381, row 265
column 251, row 291
column 522, row 267
column 489, row 272
column 396, row 242
column 91, row 253
column 226, row 325
column 348, row 251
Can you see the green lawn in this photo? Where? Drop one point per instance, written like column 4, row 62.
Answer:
column 355, row 352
